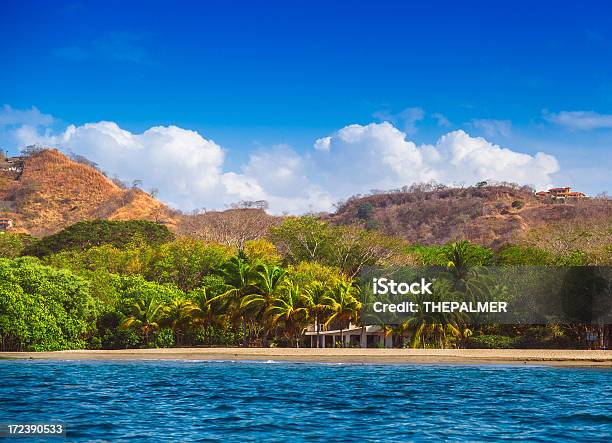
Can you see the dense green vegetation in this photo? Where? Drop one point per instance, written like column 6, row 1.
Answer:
column 109, row 285
column 84, row 235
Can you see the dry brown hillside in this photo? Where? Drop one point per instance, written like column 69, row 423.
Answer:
column 488, row 214
column 46, row 191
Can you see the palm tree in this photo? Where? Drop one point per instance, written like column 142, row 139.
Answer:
column 180, row 315
column 239, row 275
column 314, row 300
column 268, row 280
column 343, row 304
column 438, row 324
column 145, row 316
column 286, row 310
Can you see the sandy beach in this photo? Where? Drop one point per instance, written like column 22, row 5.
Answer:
column 579, row 358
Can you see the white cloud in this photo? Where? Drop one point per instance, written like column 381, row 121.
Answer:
column 30, row 117
column 379, row 156
column 582, row 120
column 469, row 159
column 187, row 168
column 190, row 172
column 322, row 144
column 492, row 128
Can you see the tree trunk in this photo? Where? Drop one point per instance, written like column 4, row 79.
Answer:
column 318, row 330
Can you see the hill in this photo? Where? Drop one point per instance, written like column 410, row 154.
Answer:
column 46, row 191
column 486, row 214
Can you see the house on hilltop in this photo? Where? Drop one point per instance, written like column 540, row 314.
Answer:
column 5, row 223
column 11, row 167
column 560, row 193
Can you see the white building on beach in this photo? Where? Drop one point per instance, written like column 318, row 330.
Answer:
column 369, row 336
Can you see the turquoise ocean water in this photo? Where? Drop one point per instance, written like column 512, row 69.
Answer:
column 254, row 401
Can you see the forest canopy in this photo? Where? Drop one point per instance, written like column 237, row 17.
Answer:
column 111, row 284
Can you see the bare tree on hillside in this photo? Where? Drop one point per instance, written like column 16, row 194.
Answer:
column 232, row 227
column 32, row 150
column 250, row 204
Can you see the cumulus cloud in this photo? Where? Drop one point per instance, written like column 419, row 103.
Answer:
column 581, row 120
column 467, row 159
column 187, row 168
column 190, row 170
column 379, row 156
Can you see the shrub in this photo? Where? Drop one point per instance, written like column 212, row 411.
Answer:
column 491, row 342
column 364, row 211
column 517, row 255
column 164, row 338
column 372, row 224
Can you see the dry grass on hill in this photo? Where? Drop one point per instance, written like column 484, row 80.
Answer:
column 489, row 214
column 54, row 192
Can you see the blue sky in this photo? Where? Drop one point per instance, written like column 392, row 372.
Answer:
column 253, row 76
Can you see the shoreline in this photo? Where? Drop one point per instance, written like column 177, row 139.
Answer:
column 518, row 357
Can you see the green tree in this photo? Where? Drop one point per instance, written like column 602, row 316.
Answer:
column 285, row 310
column 186, row 261
column 145, row 316
column 268, row 280
column 86, row 234
column 463, row 254
column 439, row 325
column 303, row 239
column 314, row 298
column 41, row 308
column 343, row 305
column 12, row 245
column 181, row 315
column 349, row 248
